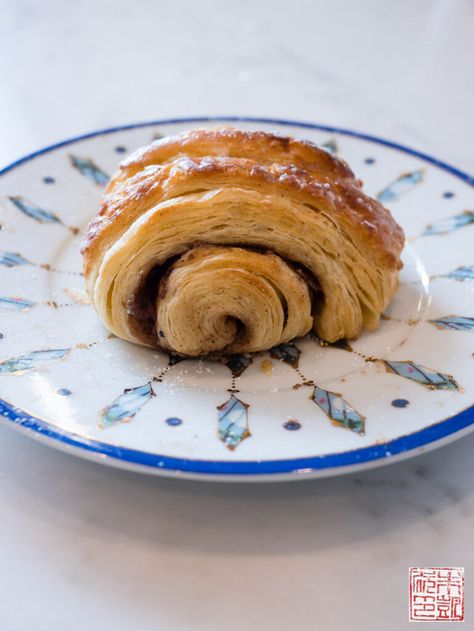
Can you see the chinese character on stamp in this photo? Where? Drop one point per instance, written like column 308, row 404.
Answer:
column 436, row 593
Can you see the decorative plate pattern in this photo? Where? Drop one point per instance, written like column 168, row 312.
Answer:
column 305, row 407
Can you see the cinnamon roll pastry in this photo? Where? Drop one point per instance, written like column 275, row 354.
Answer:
column 219, row 241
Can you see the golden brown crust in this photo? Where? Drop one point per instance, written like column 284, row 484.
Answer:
column 264, row 148
column 376, row 230
column 242, row 195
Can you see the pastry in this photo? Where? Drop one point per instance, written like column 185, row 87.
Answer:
column 219, row 241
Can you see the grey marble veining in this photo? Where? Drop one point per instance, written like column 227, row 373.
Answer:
column 83, row 546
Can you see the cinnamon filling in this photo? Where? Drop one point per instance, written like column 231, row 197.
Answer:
column 141, row 305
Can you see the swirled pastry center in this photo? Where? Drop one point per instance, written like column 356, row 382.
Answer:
column 227, row 299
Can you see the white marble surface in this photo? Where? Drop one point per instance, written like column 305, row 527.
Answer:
column 83, row 546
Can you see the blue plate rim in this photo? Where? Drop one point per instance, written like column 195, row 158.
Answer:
column 306, row 465
column 389, row 449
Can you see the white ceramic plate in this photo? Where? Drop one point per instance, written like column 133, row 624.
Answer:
column 300, row 411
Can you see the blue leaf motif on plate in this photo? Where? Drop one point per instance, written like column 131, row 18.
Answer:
column 238, row 364
column 458, row 323
column 12, row 259
column 428, row 377
column 125, row 406
column 15, row 304
column 330, row 146
column 288, row 353
column 24, row 363
column 449, row 224
column 338, row 410
column 89, row 169
column 233, row 422
column 400, row 186
column 34, row 211
column 461, row 273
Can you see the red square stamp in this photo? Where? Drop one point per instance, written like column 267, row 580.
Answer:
column 436, row 593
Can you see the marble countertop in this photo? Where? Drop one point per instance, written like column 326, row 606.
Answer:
column 84, row 546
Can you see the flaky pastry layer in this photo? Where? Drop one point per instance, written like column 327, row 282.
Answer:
column 264, row 220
